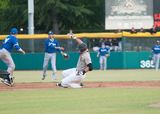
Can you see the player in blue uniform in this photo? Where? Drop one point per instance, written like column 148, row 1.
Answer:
column 5, row 55
column 103, row 54
column 156, row 55
column 51, row 48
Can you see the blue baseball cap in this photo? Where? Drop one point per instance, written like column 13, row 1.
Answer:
column 50, row 33
column 14, row 31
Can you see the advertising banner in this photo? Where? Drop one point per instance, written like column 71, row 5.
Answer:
column 125, row 14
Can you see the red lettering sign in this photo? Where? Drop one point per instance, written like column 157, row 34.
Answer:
column 157, row 16
column 157, row 19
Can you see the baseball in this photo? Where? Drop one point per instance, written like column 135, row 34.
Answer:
column 21, row 29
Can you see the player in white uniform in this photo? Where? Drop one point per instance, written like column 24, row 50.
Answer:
column 51, row 48
column 156, row 55
column 5, row 55
column 73, row 77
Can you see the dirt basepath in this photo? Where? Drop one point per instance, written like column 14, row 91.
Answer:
column 40, row 85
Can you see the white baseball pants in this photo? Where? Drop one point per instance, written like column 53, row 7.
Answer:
column 71, row 78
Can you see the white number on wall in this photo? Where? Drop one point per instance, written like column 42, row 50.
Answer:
column 146, row 64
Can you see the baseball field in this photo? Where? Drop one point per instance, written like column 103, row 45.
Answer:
column 105, row 92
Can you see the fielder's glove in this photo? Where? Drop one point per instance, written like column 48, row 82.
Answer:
column 65, row 55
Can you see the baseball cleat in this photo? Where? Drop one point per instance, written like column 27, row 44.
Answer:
column 60, row 85
column 44, row 76
column 12, row 81
column 7, row 82
column 81, row 84
column 54, row 77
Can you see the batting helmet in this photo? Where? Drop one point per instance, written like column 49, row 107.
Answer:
column 82, row 47
column 14, row 31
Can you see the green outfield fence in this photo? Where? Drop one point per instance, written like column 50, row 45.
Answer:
column 135, row 52
column 117, row 60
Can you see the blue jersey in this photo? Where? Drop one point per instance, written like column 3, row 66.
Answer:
column 10, row 42
column 50, row 45
column 103, row 51
column 156, row 49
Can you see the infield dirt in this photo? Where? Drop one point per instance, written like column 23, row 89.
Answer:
column 49, row 85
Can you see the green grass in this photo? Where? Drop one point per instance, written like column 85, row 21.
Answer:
column 96, row 75
column 86, row 100
column 80, row 101
column 124, row 75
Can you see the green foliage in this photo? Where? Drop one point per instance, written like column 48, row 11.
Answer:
column 3, row 4
column 56, row 15
column 14, row 14
column 68, row 13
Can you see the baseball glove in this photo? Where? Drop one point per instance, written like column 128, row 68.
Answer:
column 65, row 55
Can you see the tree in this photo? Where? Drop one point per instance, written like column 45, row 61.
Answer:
column 13, row 14
column 56, row 15
column 60, row 14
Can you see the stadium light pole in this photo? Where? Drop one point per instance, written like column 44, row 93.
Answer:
column 31, row 21
column 30, row 16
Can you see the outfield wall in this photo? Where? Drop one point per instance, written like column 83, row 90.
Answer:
column 117, row 60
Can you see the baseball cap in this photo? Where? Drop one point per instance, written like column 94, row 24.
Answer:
column 50, row 33
column 14, row 31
